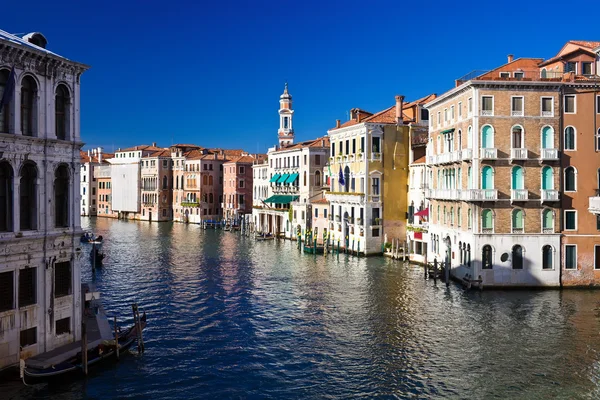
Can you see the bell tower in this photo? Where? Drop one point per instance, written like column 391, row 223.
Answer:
column 286, row 114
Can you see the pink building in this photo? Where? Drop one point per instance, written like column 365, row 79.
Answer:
column 237, row 186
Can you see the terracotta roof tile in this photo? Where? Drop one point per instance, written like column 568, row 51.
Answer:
column 318, row 142
column 320, row 201
column 94, row 158
column 585, row 43
column 143, row 147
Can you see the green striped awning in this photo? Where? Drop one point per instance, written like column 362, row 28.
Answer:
column 292, row 178
column 274, row 178
column 281, row 199
column 283, row 178
column 447, row 131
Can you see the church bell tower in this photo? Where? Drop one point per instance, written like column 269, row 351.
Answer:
column 286, row 114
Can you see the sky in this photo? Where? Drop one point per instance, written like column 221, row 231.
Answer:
column 211, row 73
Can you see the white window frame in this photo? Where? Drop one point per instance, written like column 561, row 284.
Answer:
column 565, row 218
column 565, row 178
column 574, row 103
column 482, row 110
column 565, row 250
column 596, row 262
column 542, row 106
column 445, row 116
column 553, row 263
column 469, row 106
column 439, row 118
column 452, row 113
column 574, row 138
column 521, row 73
column 597, row 104
column 504, row 74
column 591, row 67
column 460, row 109
column 512, row 111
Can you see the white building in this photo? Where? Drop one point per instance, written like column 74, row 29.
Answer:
column 90, row 160
column 40, row 284
column 417, row 234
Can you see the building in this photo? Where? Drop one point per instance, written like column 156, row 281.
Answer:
column 91, row 160
column 260, row 183
column 494, row 163
column 577, row 63
column 237, row 187
column 320, row 221
column 40, row 284
column 368, row 166
column 156, row 186
column 103, row 181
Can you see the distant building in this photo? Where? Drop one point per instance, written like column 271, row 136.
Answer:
column 40, row 283
column 91, row 160
column 156, row 186
column 237, row 186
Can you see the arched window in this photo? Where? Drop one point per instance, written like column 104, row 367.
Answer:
column 517, row 178
column 6, row 197
column 547, row 262
column 569, row 138
column 570, row 184
column 468, row 255
column 438, row 215
column 210, row 198
column 61, row 197
column 547, row 221
column 487, row 137
column 28, row 197
column 439, row 145
column 210, row 180
column 5, row 112
column 304, row 178
column 470, row 137
column 347, row 179
column 517, row 221
column 517, row 257
column 547, row 137
column 459, row 140
column 518, row 139
column 547, row 178
column 165, row 184
column 487, row 177
column 460, row 246
column 469, row 219
column 451, row 216
column 204, row 180
column 487, row 221
column 28, row 106
column 318, row 178
column 469, row 178
column 486, row 257
column 182, row 181
column 61, row 112
column 444, row 215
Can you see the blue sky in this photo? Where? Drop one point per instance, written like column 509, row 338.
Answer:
column 211, row 73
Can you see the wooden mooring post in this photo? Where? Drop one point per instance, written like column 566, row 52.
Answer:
column 84, row 355
column 116, row 337
column 138, row 325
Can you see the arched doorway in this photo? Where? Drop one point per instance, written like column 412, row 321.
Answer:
column 448, row 252
column 345, row 230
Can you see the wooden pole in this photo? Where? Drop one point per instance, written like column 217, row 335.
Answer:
column 116, row 338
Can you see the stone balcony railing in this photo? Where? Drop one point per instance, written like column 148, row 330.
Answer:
column 375, row 156
column 488, row 153
column 465, row 195
column 549, row 154
column 466, row 154
column 481, row 195
column 518, row 154
column 519, row 194
column 594, row 205
column 549, row 195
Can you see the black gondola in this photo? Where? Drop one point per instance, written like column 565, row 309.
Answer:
column 96, row 256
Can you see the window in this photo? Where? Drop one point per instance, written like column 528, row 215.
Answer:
column 598, row 104
column 547, row 221
column 28, row 197
column 241, row 199
column 486, row 257
column 570, row 184
column 586, row 68
column 504, row 74
column 518, row 75
column 487, row 221
column 318, row 178
column 570, row 256
column 547, row 257
column 7, row 291
column 63, row 326
column 445, row 115
column 487, row 105
column 517, row 137
column 241, row 184
column 517, row 106
column 424, row 114
column 487, row 137
column 62, row 279
column 28, row 106
column 570, row 220
column 517, row 221
column 571, row 67
column 517, row 257
column 61, row 197
column 325, row 213
column 6, row 197
column 28, row 337
column 5, row 112
column 375, row 145
column 570, row 104
column 470, row 105
column 596, row 256
column 597, row 140
column 547, row 106
column 27, row 286
column 61, row 107
column 460, row 109
column 375, row 186
column 469, row 219
column 439, row 118
column 569, row 138
column 375, row 232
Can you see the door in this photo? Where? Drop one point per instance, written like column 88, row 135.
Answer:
column 487, row 137
column 150, row 216
column 547, row 178
column 487, row 180
column 517, row 178
column 547, row 138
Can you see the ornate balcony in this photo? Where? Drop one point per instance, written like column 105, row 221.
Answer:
column 549, row 195
column 549, row 154
column 518, row 154
column 594, row 205
column 519, row 195
column 375, row 156
column 466, row 154
column 488, row 153
column 480, row 195
column 444, row 194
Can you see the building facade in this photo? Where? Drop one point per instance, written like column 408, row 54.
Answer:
column 91, row 160
column 40, row 284
column 237, row 187
column 156, row 186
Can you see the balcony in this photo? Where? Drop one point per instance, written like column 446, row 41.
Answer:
column 466, row 154
column 549, row 154
column 518, row 154
column 549, row 195
column 480, row 195
column 516, row 113
column 518, row 230
column 444, row 194
column 375, row 221
column 375, row 156
column 488, row 153
column 594, row 205
column 519, row 195
column 547, row 113
column 487, row 113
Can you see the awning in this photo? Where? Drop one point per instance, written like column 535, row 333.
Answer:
column 422, row 213
column 274, row 178
column 418, row 235
column 447, row 131
column 281, row 199
column 283, row 178
column 292, row 178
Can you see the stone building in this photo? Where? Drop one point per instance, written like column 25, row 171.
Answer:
column 40, row 284
column 91, row 160
column 156, row 186
column 237, row 187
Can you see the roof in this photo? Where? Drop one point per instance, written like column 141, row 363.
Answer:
column 94, row 157
column 242, row 159
column 159, row 153
column 144, row 147
column 320, row 201
column 585, row 43
column 228, row 152
column 566, row 55
column 314, row 143
column 420, row 160
column 518, row 64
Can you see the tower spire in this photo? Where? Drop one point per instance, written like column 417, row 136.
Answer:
column 286, row 114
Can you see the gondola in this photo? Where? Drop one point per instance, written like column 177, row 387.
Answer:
column 96, row 257
column 89, row 237
column 74, row 365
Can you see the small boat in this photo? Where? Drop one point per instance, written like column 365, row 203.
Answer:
column 96, row 256
column 89, row 237
column 264, row 237
column 103, row 351
column 310, row 249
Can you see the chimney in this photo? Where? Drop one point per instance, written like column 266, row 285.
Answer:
column 511, row 57
column 153, row 144
column 358, row 116
column 337, row 123
column 399, row 105
column 100, row 155
column 89, row 153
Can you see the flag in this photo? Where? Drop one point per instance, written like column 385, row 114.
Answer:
column 9, row 89
column 341, row 177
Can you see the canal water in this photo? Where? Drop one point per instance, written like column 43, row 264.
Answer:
column 230, row 317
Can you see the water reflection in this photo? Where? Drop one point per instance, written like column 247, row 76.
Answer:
column 231, row 317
